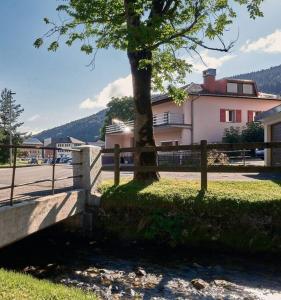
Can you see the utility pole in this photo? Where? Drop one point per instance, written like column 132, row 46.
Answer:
column 10, row 126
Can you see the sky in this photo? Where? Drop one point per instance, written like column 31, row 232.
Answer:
column 56, row 88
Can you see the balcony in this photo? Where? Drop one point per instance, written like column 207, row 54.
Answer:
column 158, row 120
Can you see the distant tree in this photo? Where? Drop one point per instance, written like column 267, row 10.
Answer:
column 118, row 108
column 10, row 112
column 254, row 132
column 154, row 34
column 232, row 135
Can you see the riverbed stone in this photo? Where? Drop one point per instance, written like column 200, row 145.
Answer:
column 199, row 284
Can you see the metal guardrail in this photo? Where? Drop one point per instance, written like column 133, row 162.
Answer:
column 14, row 167
column 204, row 168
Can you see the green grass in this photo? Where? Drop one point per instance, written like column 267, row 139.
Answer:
column 15, row 286
column 242, row 215
column 167, row 190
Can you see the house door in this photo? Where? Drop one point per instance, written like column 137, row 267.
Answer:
column 276, row 137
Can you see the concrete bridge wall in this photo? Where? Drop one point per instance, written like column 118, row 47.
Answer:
column 23, row 219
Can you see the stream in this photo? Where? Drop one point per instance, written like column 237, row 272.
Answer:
column 135, row 272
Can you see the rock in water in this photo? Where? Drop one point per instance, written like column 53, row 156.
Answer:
column 199, row 284
column 140, row 272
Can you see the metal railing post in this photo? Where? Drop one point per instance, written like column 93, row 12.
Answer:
column 53, row 171
column 13, row 176
column 116, row 164
column 204, row 165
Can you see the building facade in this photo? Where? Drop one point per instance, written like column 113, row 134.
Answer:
column 272, row 133
column 211, row 107
column 65, row 144
column 32, row 152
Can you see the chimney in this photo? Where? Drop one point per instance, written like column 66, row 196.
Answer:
column 209, row 77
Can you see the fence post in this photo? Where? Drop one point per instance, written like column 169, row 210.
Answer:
column 13, row 177
column 87, row 164
column 116, row 164
column 53, row 171
column 204, row 165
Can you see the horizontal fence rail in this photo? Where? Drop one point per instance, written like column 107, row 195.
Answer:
column 203, row 148
column 54, row 151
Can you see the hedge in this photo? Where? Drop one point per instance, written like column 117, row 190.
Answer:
column 242, row 216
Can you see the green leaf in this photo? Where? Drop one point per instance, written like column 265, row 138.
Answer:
column 53, row 46
column 38, row 43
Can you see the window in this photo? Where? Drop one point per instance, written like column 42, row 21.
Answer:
column 232, row 88
column 248, row 89
column 230, row 116
column 252, row 115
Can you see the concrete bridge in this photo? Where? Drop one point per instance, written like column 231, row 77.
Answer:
column 27, row 217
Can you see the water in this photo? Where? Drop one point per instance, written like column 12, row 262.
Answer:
column 136, row 272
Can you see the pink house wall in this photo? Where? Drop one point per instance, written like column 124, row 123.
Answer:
column 207, row 123
column 206, row 119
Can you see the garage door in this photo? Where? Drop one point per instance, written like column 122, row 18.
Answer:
column 276, row 137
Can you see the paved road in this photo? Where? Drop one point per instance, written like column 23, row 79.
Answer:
column 30, row 174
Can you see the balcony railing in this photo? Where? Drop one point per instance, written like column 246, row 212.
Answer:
column 158, row 120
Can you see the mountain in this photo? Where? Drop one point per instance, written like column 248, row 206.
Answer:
column 86, row 129
column 268, row 80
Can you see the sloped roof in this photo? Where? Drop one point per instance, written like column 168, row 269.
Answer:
column 192, row 88
column 269, row 113
column 64, row 140
column 32, row 141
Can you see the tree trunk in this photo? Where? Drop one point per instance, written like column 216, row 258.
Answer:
column 143, row 130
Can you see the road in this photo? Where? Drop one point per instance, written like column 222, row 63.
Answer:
column 30, row 174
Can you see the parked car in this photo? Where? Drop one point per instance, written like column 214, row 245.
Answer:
column 33, row 161
column 259, row 153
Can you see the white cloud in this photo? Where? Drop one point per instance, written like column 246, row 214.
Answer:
column 33, row 118
column 210, row 61
column 118, row 88
column 269, row 44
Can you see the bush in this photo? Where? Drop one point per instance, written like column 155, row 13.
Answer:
column 241, row 216
column 253, row 132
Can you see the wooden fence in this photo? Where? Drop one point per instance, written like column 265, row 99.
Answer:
column 204, row 168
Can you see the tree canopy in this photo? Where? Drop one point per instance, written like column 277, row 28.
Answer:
column 9, row 112
column 156, row 34
column 164, row 27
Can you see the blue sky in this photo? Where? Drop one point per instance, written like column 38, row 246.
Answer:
column 55, row 88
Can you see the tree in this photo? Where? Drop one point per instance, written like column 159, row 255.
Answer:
column 154, row 33
column 232, row 135
column 10, row 113
column 254, row 132
column 251, row 133
column 118, row 108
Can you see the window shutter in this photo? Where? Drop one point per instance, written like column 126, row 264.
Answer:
column 250, row 116
column 222, row 115
column 238, row 114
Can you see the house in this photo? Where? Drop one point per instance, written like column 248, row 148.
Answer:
column 32, row 152
column 211, row 107
column 272, row 133
column 66, row 144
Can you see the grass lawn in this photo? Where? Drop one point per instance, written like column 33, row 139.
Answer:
column 15, row 286
column 169, row 190
column 242, row 215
